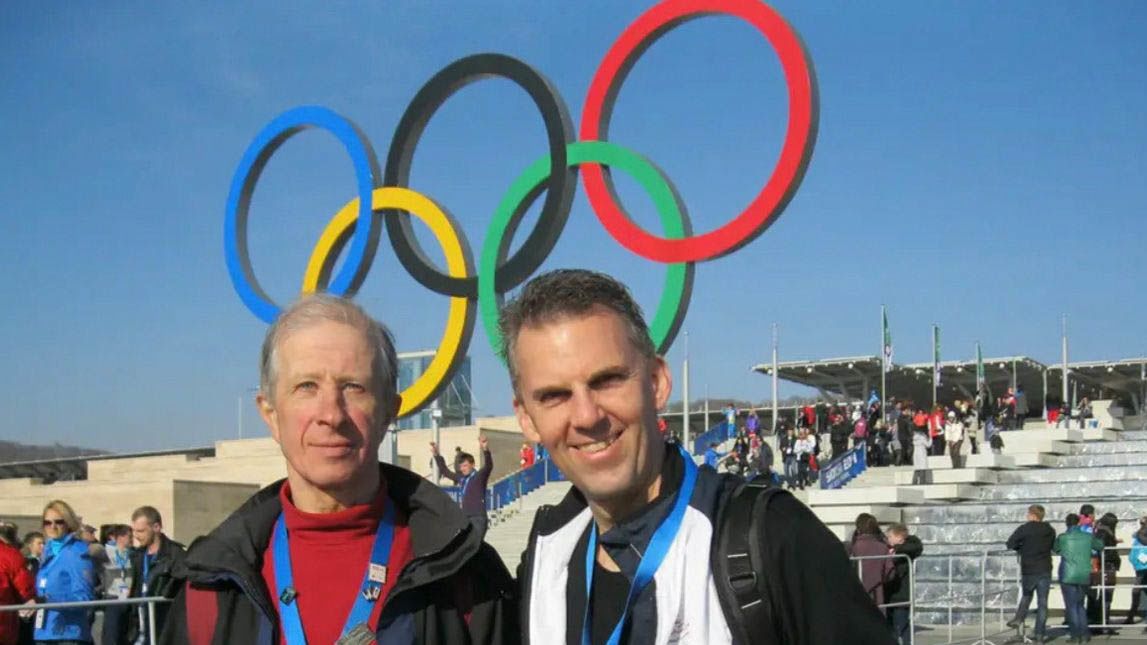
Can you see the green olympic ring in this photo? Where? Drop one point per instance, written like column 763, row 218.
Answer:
column 525, row 189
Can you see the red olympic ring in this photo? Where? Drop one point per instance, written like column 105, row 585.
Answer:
column 800, row 135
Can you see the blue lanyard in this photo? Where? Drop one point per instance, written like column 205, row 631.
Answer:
column 372, row 580
column 466, row 483
column 650, row 562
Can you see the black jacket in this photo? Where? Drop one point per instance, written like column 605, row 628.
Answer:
column 455, row 589
column 1033, row 541
column 813, row 590
column 161, row 581
column 897, row 589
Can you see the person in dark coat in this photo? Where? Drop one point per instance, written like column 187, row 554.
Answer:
column 868, row 541
column 904, row 436
column 1033, row 540
column 898, row 588
column 1099, row 601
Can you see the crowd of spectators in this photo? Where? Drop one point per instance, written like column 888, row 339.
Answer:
column 1089, row 561
column 68, row 562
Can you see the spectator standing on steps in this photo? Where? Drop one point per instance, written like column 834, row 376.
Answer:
column 1033, row 541
column 473, row 482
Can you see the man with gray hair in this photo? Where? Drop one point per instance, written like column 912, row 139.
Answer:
column 346, row 549
column 646, row 547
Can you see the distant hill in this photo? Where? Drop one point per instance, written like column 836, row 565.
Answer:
column 11, row 451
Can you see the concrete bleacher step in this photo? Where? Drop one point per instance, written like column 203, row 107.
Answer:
column 845, row 514
column 952, row 476
column 880, row 495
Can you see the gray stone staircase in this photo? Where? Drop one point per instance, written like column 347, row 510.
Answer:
column 965, row 513
column 509, row 531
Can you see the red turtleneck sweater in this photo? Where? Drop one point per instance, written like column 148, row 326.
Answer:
column 329, row 557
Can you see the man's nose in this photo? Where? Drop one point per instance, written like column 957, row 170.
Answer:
column 332, row 405
column 587, row 412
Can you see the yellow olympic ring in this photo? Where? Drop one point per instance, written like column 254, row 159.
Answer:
column 459, row 321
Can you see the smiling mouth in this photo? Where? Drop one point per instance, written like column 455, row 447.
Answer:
column 598, row 446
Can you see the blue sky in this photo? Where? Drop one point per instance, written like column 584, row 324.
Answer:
column 979, row 165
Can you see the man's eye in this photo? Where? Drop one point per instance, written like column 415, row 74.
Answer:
column 354, row 387
column 307, row 386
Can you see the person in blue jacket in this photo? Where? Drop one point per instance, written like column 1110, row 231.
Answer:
column 713, row 456
column 1138, row 559
column 66, row 575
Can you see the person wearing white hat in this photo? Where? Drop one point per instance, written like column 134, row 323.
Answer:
column 954, row 433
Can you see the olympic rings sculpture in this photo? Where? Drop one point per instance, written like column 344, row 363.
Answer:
column 385, row 198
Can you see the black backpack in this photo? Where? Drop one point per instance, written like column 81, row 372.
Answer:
column 738, row 571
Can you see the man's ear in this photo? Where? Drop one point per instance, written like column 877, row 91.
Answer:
column 267, row 411
column 662, row 381
column 525, row 422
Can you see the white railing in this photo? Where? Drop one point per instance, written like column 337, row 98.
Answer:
column 97, row 604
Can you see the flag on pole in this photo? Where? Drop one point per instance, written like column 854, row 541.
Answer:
column 936, row 353
column 979, row 367
column 887, row 340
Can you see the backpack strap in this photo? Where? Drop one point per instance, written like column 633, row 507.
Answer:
column 739, row 571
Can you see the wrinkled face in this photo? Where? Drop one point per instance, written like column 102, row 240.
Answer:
column 144, row 532
column 55, row 526
column 326, row 411
column 588, row 395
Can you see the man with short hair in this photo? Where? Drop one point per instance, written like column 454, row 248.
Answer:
column 1074, row 548
column 473, row 482
column 153, row 562
column 898, row 590
column 345, row 549
column 1033, row 541
column 636, row 553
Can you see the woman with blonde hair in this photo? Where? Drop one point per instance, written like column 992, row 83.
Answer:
column 66, row 575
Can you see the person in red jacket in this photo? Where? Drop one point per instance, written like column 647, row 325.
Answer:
column 526, row 455
column 16, row 584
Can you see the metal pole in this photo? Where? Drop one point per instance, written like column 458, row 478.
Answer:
column 775, row 378
column 1064, row 367
column 1015, row 381
column 935, row 363
column 949, row 599
column 151, row 623
column 911, row 601
column 883, row 367
column 434, row 414
column 1043, row 402
column 705, row 425
column 984, row 597
column 239, row 414
column 685, row 398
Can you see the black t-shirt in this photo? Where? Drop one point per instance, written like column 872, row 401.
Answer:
column 607, row 599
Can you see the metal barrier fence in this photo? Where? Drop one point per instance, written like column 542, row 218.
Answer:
column 718, row 434
column 910, row 603
column 512, row 487
column 150, row 601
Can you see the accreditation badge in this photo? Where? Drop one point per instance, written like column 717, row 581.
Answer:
column 377, row 573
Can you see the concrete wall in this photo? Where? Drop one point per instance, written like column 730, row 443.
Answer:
column 201, row 506
column 504, row 447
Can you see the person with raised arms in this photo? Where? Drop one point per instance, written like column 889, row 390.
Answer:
column 346, row 549
column 647, row 547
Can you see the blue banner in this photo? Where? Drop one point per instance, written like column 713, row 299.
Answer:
column 844, row 469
